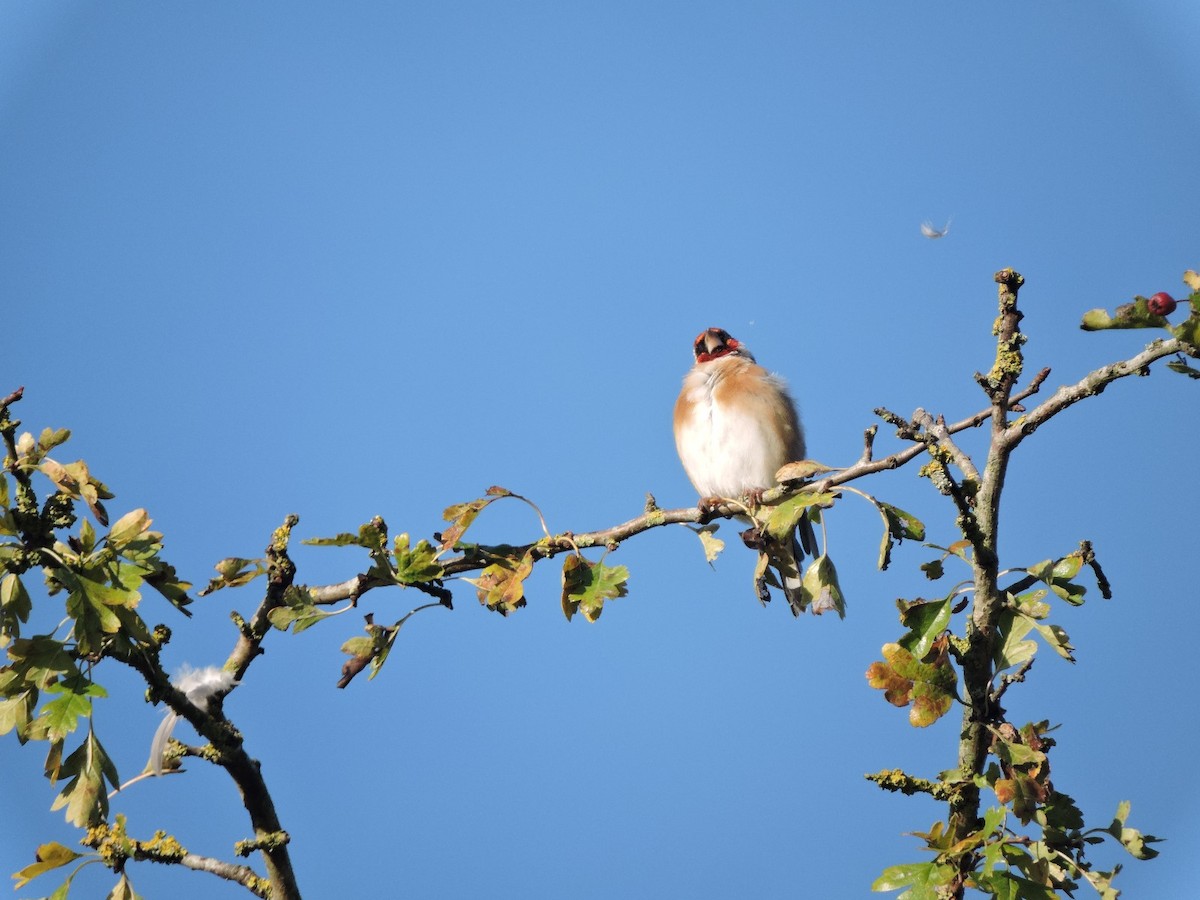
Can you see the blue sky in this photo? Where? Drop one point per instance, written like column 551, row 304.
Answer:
column 361, row 258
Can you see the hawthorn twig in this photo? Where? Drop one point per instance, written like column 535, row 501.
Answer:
column 1091, row 384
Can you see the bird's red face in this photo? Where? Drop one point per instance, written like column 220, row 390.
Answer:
column 714, row 343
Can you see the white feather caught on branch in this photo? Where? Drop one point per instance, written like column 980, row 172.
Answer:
column 933, row 233
column 200, row 686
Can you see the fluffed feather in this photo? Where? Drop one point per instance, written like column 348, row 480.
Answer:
column 735, row 426
column 200, row 686
column 929, row 231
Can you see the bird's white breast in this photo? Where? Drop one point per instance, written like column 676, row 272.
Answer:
column 729, row 448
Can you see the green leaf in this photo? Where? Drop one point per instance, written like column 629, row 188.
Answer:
column 52, row 437
column 1059, row 817
column 49, row 857
column 1014, row 753
column 235, row 571
column 934, row 569
column 923, row 878
column 925, row 620
column 87, row 537
column 417, row 565
column 903, row 526
column 1030, row 603
column 1189, row 329
column 342, row 539
column 59, row 717
column 1003, row 884
column 123, row 890
column 129, row 527
column 385, row 648
column 373, row 649
column 785, row 516
column 298, row 612
column 1057, row 638
column 114, row 594
column 821, row 584
column 1015, row 648
column 85, row 796
column 363, row 647
column 14, row 599
column 898, row 526
column 1128, row 315
column 1178, row 365
column 1067, row 567
column 1057, row 575
column 1132, row 839
column 16, row 713
column 586, row 585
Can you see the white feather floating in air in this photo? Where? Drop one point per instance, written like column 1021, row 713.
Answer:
column 200, row 686
column 932, row 233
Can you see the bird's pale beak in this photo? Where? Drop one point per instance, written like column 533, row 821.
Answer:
column 714, row 339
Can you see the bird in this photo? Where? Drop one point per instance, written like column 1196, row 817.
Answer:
column 735, row 426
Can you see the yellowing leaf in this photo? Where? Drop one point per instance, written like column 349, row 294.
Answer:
column 85, row 796
column 1192, row 279
column 76, row 481
column 460, row 516
column 123, row 890
column 501, row 586
column 800, row 470
column 49, row 857
column 712, row 544
column 928, row 686
column 1131, row 839
column 896, row 689
column 1022, row 793
column 235, row 571
column 128, row 527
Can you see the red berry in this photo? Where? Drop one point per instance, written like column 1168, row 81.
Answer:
column 1161, row 304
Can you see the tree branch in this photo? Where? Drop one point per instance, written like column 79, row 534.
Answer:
column 1090, row 385
column 228, row 753
column 113, row 844
column 981, row 529
column 937, row 428
column 243, row 875
column 355, row 587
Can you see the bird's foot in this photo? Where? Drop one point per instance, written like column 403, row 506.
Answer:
column 753, row 497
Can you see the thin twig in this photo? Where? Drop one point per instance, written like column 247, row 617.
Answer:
column 1091, row 384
